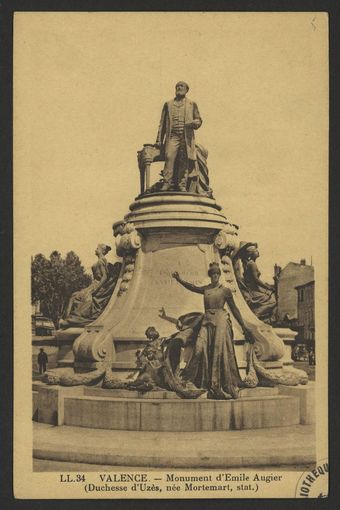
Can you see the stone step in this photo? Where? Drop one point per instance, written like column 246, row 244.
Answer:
column 283, row 446
column 181, row 414
column 163, row 394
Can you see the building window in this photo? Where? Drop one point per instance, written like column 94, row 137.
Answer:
column 301, row 295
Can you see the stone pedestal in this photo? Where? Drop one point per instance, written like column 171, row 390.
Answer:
column 306, row 395
column 170, row 233
column 161, row 410
column 49, row 402
column 251, row 411
column 163, row 233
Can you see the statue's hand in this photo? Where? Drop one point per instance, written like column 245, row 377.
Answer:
column 195, row 124
column 176, row 276
column 162, row 312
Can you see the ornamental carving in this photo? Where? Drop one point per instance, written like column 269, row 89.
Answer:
column 128, row 239
column 128, row 270
column 225, row 240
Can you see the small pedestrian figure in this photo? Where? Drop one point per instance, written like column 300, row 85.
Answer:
column 311, row 356
column 42, row 361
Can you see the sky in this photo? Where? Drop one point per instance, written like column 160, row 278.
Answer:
column 88, row 93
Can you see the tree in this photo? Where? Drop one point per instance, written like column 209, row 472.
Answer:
column 54, row 280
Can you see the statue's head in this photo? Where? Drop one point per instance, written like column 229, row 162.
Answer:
column 252, row 252
column 214, row 272
column 246, row 251
column 181, row 88
column 151, row 333
column 102, row 249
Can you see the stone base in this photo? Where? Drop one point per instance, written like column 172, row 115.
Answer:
column 161, row 410
column 180, row 415
column 50, row 402
column 306, row 395
column 164, row 394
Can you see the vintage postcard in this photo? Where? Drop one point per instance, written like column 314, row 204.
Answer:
column 170, row 228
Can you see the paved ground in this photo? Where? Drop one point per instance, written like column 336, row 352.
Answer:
column 279, row 446
column 57, row 466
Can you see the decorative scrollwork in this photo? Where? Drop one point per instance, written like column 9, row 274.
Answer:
column 127, row 237
column 127, row 274
column 225, row 241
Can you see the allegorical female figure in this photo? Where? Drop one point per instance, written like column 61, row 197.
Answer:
column 260, row 296
column 213, row 364
column 87, row 304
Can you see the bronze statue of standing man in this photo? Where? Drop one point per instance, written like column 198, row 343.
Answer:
column 176, row 138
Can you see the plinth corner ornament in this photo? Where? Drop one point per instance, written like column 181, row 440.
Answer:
column 225, row 240
column 128, row 239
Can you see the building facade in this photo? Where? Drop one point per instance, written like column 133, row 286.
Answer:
column 287, row 279
column 306, row 315
column 41, row 326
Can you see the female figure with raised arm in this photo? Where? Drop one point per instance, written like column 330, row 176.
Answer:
column 213, row 364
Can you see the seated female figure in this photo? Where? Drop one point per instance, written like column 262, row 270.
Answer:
column 87, row 304
column 260, row 296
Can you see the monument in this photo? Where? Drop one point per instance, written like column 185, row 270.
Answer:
column 223, row 346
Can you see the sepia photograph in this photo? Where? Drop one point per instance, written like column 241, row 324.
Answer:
column 171, row 255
